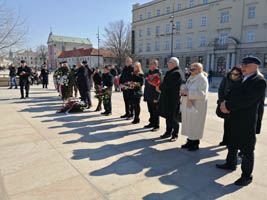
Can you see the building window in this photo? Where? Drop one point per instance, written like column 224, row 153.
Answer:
column 167, row 28
column 149, row 15
column 190, row 23
column 177, row 44
column 157, row 30
column 204, row 1
column 191, row 3
column 203, row 20
column 250, row 36
column 223, row 38
column 140, row 48
column 179, row 6
column 189, row 42
column 158, row 12
column 140, row 33
column 167, row 45
column 202, row 41
column 225, row 17
column 141, row 17
column 168, row 10
column 148, row 32
column 148, row 47
column 251, row 12
column 157, row 45
column 178, row 26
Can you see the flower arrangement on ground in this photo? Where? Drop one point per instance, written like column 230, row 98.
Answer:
column 72, row 106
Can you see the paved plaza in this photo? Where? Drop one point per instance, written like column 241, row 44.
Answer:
column 46, row 155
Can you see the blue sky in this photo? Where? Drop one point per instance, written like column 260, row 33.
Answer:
column 77, row 18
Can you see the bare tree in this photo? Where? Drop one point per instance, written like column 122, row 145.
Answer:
column 117, row 38
column 13, row 28
column 42, row 52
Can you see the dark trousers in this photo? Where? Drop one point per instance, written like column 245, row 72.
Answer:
column 136, row 107
column 247, row 160
column 24, row 84
column 153, row 109
column 85, row 96
column 107, row 105
column 226, row 127
column 172, row 127
column 44, row 85
column 127, row 103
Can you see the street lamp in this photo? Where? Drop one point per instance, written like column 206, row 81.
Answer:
column 172, row 27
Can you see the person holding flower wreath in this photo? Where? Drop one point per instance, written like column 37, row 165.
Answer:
column 136, row 90
column 97, row 78
column 107, row 81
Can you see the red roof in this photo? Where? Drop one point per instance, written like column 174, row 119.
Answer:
column 86, row 52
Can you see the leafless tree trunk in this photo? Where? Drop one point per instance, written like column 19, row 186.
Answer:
column 117, row 38
column 42, row 52
column 13, row 28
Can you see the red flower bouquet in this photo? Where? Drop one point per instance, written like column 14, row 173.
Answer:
column 153, row 80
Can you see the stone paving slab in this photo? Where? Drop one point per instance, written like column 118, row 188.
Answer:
column 46, row 155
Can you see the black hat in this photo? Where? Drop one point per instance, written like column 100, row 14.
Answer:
column 22, row 61
column 107, row 67
column 84, row 62
column 251, row 60
column 65, row 61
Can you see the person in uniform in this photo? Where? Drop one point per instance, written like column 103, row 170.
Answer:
column 45, row 73
column 83, row 83
column 243, row 108
column 107, row 81
column 126, row 77
column 169, row 102
column 97, row 78
column 24, row 73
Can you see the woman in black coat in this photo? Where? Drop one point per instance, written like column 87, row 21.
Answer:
column 136, row 91
column 232, row 77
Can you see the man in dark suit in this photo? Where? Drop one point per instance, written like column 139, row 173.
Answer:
column 107, row 80
column 24, row 73
column 83, row 83
column 126, row 76
column 169, row 102
column 243, row 106
column 151, row 96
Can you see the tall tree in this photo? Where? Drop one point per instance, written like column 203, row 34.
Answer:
column 42, row 52
column 117, row 38
column 13, row 28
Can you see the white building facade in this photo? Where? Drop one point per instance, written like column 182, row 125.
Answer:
column 217, row 33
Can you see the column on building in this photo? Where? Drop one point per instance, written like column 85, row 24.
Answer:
column 208, row 63
column 212, row 62
column 233, row 60
column 227, row 63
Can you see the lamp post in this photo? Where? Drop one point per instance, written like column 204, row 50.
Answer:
column 172, row 27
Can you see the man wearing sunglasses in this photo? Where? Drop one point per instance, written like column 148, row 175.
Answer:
column 243, row 106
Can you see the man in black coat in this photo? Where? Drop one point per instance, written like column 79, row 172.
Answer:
column 45, row 73
column 126, row 76
column 83, row 84
column 24, row 73
column 107, row 81
column 169, row 102
column 90, row 74
column 243, row 107
column 151, row 96
column 97, row 78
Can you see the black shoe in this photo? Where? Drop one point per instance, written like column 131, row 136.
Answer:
column 104, row 113
column 222, row 143
column 155, row 129
column 27, row 96
column 193, row 147
column 98, row 109
column 124, row 116
column 243, row 181
column 149, row 126
column 174, row 138
column 225, row 166
column 10, row 88
column 22, row 98
column 165, row 135
column 186, row 145
column 108, row 113
column 136, row 121
column 129, row 117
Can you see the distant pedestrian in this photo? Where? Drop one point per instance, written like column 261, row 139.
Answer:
column 107, row 82
column 12, row 75
column 24, row 73
column 45, row 73
column 97, row 78
column 210, row 76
